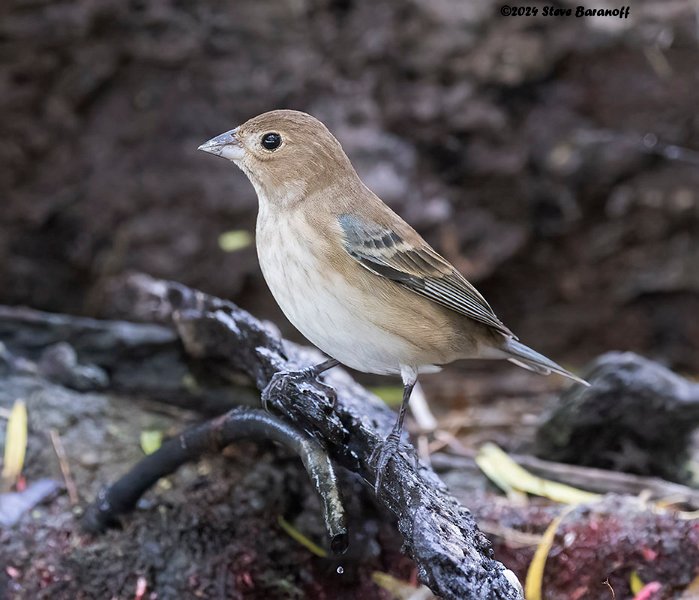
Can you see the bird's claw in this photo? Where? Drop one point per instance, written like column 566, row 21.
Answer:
column 382, row 455
column 328, row 390
column 281, row 380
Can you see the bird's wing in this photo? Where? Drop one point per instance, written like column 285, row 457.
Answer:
column 416, row 266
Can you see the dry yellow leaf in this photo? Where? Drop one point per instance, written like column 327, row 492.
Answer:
column 535, row 573
column 509, row 476
column 402, row 590
column 691, row 592
column 15, row 443
column 635, row 583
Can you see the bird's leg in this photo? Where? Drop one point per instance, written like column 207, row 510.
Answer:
column 384, row 451
column 281, row 379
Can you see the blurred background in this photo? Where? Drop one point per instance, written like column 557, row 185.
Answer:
column 555, row 161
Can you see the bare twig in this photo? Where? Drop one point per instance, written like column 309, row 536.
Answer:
column 605, row 482
column 65, row 466
column 513, row 537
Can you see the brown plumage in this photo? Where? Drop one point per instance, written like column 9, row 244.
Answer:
column 348, row 272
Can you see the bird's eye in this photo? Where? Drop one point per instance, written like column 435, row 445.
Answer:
column 271, row 141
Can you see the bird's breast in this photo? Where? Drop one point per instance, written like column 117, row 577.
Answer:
column 335, row 314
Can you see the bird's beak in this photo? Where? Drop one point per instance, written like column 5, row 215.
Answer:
column 225, row 145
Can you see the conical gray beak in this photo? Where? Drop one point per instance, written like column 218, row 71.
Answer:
column 225, row 145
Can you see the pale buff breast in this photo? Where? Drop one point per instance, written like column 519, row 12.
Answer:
column 364, row 321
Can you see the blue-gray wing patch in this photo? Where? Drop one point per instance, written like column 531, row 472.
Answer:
column 418, row 268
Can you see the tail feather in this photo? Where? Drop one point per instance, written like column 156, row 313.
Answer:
column 523, row 356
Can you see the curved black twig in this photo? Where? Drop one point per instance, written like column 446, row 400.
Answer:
column 212, row 436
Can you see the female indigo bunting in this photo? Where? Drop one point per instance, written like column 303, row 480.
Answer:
column 350, row 274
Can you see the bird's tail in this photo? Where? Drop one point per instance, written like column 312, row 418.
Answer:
column 523, row 356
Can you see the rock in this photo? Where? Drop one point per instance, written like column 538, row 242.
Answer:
column 636, row 416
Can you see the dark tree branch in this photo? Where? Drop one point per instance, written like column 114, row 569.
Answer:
column 453, row 557
column 213, row 436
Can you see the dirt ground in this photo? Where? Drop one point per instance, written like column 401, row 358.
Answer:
column 212, row 529
column 209, row 531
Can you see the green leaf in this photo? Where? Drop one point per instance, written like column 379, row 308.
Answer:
column 151, row 440
column 300, row 538
column 392, row 395
column 232, row 241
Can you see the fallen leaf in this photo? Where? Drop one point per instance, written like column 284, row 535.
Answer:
column 402, row 590
column 392, row 395
column 295, row 534
column 509, row 476
column 691, row 592
column 15, row 443
column 232, row 241
column 635, row 583
column 535, row 573
column 151, row 440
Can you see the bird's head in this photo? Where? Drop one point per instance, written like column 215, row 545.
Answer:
column 286, row 154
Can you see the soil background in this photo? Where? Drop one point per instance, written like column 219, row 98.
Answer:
column 531, row 151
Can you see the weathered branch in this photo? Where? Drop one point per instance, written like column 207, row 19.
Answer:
column 452, row 555
column 214, row 436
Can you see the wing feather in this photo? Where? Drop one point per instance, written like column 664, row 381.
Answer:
column 416, row 267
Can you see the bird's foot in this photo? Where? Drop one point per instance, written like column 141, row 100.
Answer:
column 281, row 380
column 382, row 455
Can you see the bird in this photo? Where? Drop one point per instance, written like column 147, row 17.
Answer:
column 350, row 274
